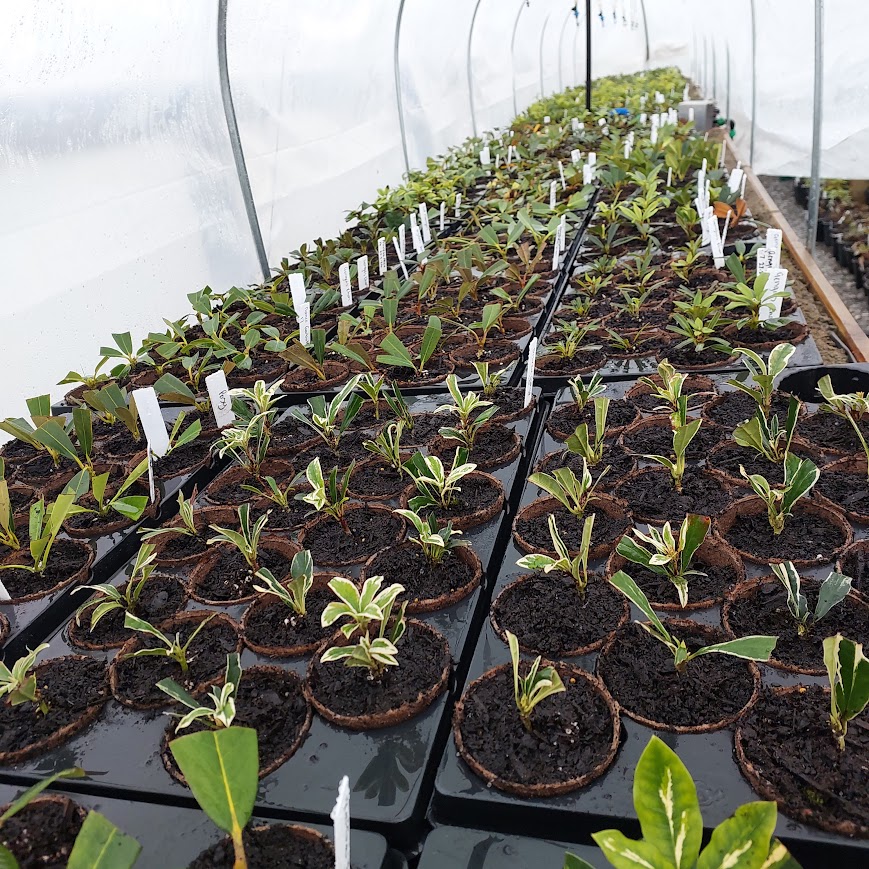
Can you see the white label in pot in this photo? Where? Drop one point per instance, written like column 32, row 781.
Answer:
column 4, row 595
column 400, row 255
column 305, row 323
column 416, row 235
column 575, row 155
column 735, row 180
column 362, row 272
column 587, row 174
column 776, row 283
column 765, row 260
column 546, row 119
column 221, row 401
column 529, row 371
column 458, row 203
column 381, row 255
column 340, row 816
column 643, row 118
column 561, row 174
column 592, row 158
column 553, row 192
column 653, row 135
column 443, row 219
column 344, row 281
column 715, row 239
column 485, row 156
column 402, row 241
column 556, row 250
column 297, row 289
column 152, row 420
column 423, row 221
column 773, row 243
column 574, row 125
column 704, row 226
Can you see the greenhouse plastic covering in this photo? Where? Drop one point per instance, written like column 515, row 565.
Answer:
column 123, row 192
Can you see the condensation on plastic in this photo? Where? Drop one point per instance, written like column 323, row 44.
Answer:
column 118, row 185
column 314, row 94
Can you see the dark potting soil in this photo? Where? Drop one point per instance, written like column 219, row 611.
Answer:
column 653, row 494
column 233, row 494
column 806, row 537
column 350, row 449
column 566, row 417
column 274, row 847
column 831, row 432
column 206, row 657
column 368, row 418
column 121, row 444
column 499, row 353
column 508, row 399
column 476, row 493
column 570, row 735
column 65, row 560
column 556, row 366
column 551, row 617
column 271, row 623
column 41, row 470
column 185, row 545
column 746, row 337
column 639, row 672
column 493, row 444
column 425, row 427
column 288, row 434
column 291, row 518
column 94, row 524
column 42, row 834
column 16, row 452
column 21, row 499
column 269, row 700
column 647, row 317
column 788, row 740
column 647, row 345
column 181, row 460
column 69, row 686
column 847, row 489
column 436, row 367
column 350, row 691
column 377, row 478
column 689, row 357
column 731, row 457
column 231, row 578
column 736, row 407
column 369, row 531
column 765, row 611
column 855, row 564
column 535, row 529
column 615, row 456
column 657, row 440
column 161, row 597
column 648, row 402
column 422, row 580
column 718, row 579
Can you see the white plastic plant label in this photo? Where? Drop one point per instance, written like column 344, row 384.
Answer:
column 562, row 232
column 398, row 252
column 362, row 272
column 659, row 98
column 304, row 323
column 221, row 401
column 561, row 175
column 574, row 125
column 735, row 180
column 553, row 192
column 344, row 281
column 765, row 260
column 592, row 158
column 381, row 255
column 627, row 149
column 726, row 227
column 601, row 122
column 423, row 222
column 498, row 160
column 685, row 94
column 715, row 239
column 402, row 241
column 485, row 156
column 152, row 420
column 443, row 217
column 721, row 155
column 773, row 243
column 575, row 156
column 529, row 371
column 556, row 251
column 670, row 176
column 340, row 816
column 416, row 235
column 653, row 135
column 587, row 174
column 643, row 118
column 297, row 289
column 704, row 225
column 4, row 595
column 458, row 203
column 776, row 283
column 547, row 120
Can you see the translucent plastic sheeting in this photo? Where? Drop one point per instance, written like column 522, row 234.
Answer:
column 526, row 57
column 314, row 92
column 491, row 63
column 118, row 185
column 432, row 54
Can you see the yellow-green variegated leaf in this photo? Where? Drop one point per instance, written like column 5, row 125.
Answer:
column 625, row 853
column 665, row 801
column 743, row 841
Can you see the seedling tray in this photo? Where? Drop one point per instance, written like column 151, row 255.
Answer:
column 461, row 797
column 173, row 836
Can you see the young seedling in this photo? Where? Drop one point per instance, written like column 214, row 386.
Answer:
column 324, row 418
column 536, row 686
column 583, row 392
column 387, row 445
column 799, row 479
column 667, row 555
column 471, row 411
column 365, row 609
column 848, row 671
column 763, row 373
column 247, row 443
column 699, row 332
column 766, row 435
column 297, row 354
column 751, row 648
column 18, row 685
column 221, row 713
column 591, row 450
column 372, row 385
column 572, row 341
column 834, row 589
column 111, row 403
column 129, row 506
column 572, row 492
column 294, row 591
column 683, row 434
column 669, row 390
column 397, row 355
column 8, row 537
column 752, row 299
column 328, row 496
column 666, row 804
column 45, row 524
column 24, row 430
column 852, row 406
column 435, row 486
column 246, row 540
column 435, row 542
column 109, row 597
column 576, row 566
column 171, row 648
column 399, row 407
column 187, row 526
column 490, row 381
column 480, row 330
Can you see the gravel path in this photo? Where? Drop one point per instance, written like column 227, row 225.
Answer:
column 782, row 192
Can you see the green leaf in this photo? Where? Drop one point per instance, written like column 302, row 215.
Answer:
column 84, row 430
column 778, row 359
column 692, row 533
column 170, row 387
column 571, row 861
column 626, row 585
column 665, row 801
column 51, row 434
column 101, row 845
column 7, row 859
column 741, row 841
column 752, row 648
column 430, row 339
column 395, row 352
column 833, row 590
column 35, row 790
column 131, row 507
column 625, row 853
column 802, row 475
column 848, row 671
column 221, row 768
